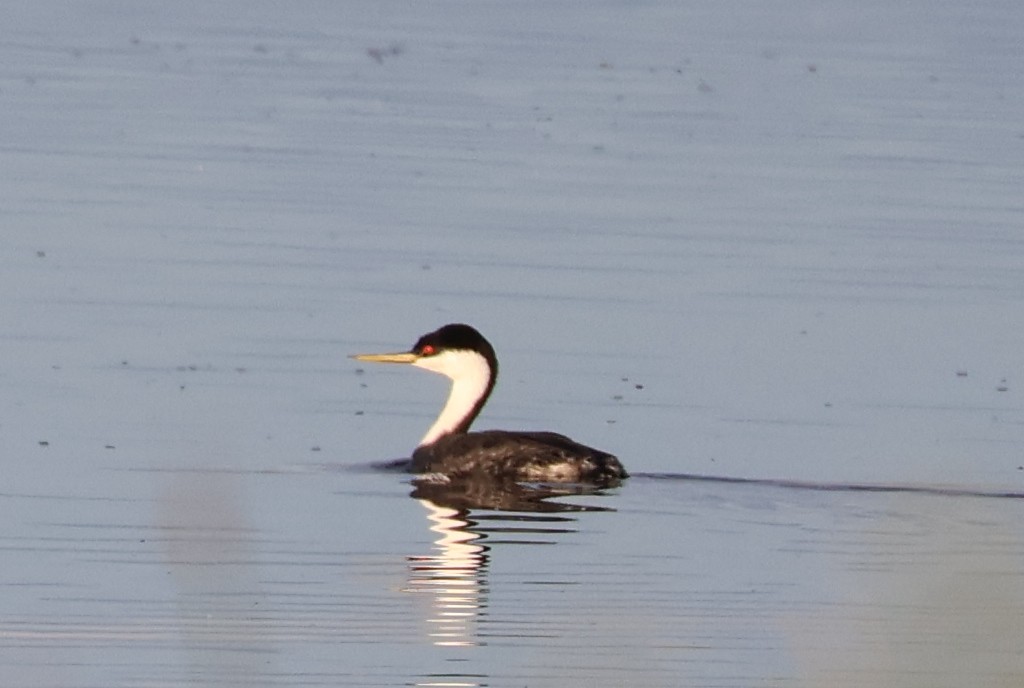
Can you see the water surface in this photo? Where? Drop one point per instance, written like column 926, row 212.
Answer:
column 780, row 246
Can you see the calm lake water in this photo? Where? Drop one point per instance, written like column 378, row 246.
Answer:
column 771, row 257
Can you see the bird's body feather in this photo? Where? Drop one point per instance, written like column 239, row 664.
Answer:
column 529, row 456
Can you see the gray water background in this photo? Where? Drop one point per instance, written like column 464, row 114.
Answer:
column 780, row 242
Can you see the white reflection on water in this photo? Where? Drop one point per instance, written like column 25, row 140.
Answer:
column 464, row 515
column 453, row 576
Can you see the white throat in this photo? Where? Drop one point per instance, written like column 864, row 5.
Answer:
column 470, row 375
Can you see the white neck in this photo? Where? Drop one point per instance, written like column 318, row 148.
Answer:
column 470, row 375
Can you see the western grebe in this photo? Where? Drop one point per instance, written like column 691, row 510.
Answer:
column 462, row 354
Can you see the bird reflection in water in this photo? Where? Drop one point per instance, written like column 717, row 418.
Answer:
column 467, row 514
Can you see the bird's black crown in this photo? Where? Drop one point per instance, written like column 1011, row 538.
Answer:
column 455, row 336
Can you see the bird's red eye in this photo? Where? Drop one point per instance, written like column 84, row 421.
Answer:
column 428, row 350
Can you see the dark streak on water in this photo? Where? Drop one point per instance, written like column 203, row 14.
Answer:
column 400, row 466
column 939, row 491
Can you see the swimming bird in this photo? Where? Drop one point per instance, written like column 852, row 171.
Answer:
column 449, row 449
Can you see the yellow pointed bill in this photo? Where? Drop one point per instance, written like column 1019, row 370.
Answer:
column 403, row 357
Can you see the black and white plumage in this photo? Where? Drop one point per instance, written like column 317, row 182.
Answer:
column 449, row 449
